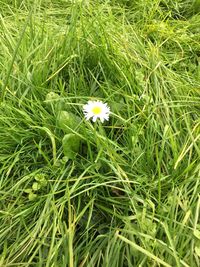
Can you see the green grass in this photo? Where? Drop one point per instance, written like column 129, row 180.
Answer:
column 130, row 195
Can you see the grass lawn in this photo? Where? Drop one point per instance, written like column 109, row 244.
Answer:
column 122, row 193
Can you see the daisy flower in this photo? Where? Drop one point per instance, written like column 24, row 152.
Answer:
column 96, row 110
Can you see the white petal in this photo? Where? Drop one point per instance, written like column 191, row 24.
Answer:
column 94, row 118
column 102, row 119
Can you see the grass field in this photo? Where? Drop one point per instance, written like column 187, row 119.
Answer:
column 121, row 193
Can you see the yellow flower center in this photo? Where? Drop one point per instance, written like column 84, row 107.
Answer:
column 97, row 110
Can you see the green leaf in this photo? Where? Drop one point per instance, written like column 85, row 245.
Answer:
column 196, row 6
column 32, row 196
column 67, row 121
column 39, row 177
column 52, row 96
column 43, row 182
column 70, row 145
column 64, row 159
column 28, row 190
column 197, row 233
column 36, row 186
column 197, row 251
